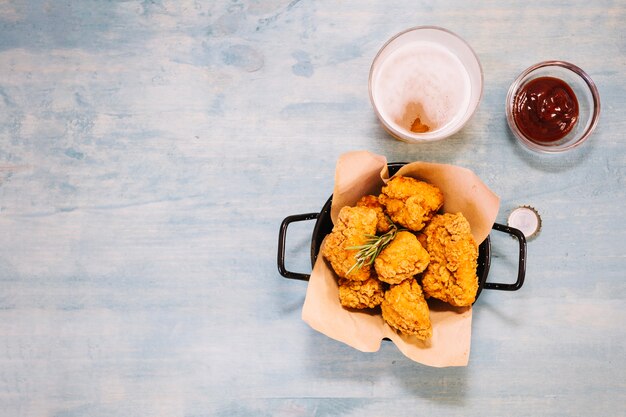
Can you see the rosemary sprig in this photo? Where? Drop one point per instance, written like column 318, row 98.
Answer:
column 372, row 247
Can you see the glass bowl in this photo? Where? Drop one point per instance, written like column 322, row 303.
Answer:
column 587, row 98
column 425, row 83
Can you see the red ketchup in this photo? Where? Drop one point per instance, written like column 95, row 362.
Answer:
column 545, row 109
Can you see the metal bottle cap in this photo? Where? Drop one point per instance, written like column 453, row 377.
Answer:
column 526, row 219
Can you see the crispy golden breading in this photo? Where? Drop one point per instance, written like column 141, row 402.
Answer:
column 372, row 202
column 404, row 308
column 409, row 202
column 403, row 258
column 421, row 237
column 360, row 294
column 353, row 223
column 451, row 274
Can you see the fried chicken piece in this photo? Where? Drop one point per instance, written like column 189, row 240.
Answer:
column 351, row 228
column 372, row 202
column 409, row 202
column 404, row 308
column 403, row 258
column 451, row 274
column 360, row 294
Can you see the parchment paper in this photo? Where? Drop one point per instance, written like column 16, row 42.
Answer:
column 360, row 173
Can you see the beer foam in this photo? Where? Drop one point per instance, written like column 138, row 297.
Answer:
column 422, row 75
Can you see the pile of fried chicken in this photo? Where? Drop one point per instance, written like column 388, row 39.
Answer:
column 431, row 255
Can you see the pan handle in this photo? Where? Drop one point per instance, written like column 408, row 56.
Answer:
column 521, row 269
column 282, row 237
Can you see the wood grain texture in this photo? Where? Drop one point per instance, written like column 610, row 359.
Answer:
column 150, row 149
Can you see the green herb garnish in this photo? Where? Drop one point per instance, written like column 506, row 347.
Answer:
column 372, row 247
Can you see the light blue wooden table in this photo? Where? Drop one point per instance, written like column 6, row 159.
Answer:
column 150, row 149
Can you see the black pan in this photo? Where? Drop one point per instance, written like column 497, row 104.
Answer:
column 324, row 225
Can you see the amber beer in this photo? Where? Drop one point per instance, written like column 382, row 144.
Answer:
column 422, row 87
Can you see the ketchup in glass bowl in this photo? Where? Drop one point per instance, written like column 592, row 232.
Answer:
column 552, row 106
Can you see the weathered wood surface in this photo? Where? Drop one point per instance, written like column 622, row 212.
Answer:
column 150, row 149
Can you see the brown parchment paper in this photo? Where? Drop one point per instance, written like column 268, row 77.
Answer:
column 360, row 173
